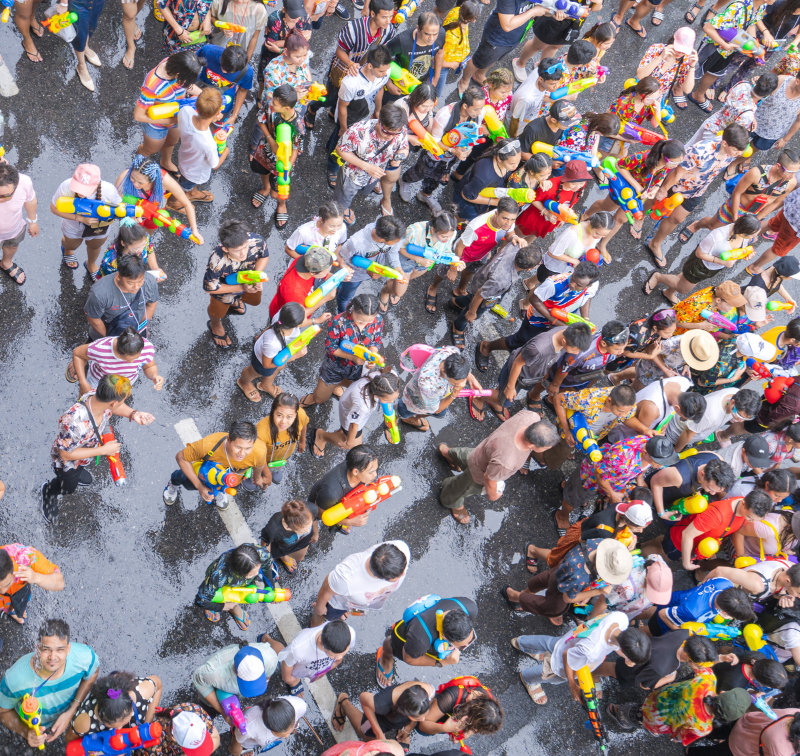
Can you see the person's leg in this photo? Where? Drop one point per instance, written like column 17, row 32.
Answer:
column 620, row 219
column 619, row 16
column 216, row 311
column 167, row 163
column 529, row 49
column 670, row 280
column 132, row 31
column 64, row 483
column 321, row 394
column 267, row 383
column 388, row 180
column 338, row 438
column 706, row 80
column 9, row 250
column 330, row 146
column 655, row 546
column 664, row 229
column 463, row 282
column 93, row 249
column 457, row 488
column 150, row 145
column 25, row 18
column 345, row 292
column 387, row 661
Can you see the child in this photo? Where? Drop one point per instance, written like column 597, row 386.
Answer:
column 786, row 339
column 268, row 724
column 585, row 135
column 527, row 100
column 289, row 533
column 602, row 36
column 283, row 330
column 264, row 150
column 280, row 24
column 456, row 40
column 636, row 104
column 729, row 370
column 132, row 239
column 571, row 246
column 327, row 230
column 360, row 400
column 283, row 431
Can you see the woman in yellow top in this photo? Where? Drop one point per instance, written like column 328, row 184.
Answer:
column 283, row 431
column 456, row 40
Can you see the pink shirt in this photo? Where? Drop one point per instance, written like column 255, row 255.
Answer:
column 12, row 212
column 746, row 735
column 358, row 748
column 103, row 361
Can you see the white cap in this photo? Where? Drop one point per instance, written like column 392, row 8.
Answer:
column 637, row 511
column 191, row 734
column 752, row 345
column 250, row 668
column 756, row 306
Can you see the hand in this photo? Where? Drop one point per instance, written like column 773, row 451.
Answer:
column 730, row 658
column 206, row 494
column 349, row 275
column 353, row 69
column 510, row 393
column 793, row 305
column 359, row 521
column 324, row 318
column 545, row 185
column 781, row 143
column 263, row 480
column 575, row 691
column 183, row 36
column 272, row 47
column 228, row 34
column 669, row 52
column 470, row 316
column 552, row 390
column 452, row 658
column 692, row 58
column 25, row 575
column 59, row 726
column 109, row 449
column 158, row 382
column 160, row 275
column 616, row 497
column 691, row 567
column 33, row 229
column 559, row 15
column 570, row 440
column 606, row 590
column 84, row 387
column 460, row 152
column 142, row 418
column 784, row 601
column 669, row 516
column 374, row 171
column 253, row 288
column 728, row 48
column 652, row 432
column 34, row 740
column 769, row 40
column 451, row 273
column 728, row 263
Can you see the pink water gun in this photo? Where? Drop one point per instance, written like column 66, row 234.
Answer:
column 465, row 393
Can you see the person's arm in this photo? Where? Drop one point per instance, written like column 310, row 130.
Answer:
column 750, row 581
column 151, row 371
column 372, row 170
column 172, row 186
column 238, row 101
column 784, row 140
column 662, row 615
column 687, row 547
column 640, row 428
column 713, row 35
column 80, row 359
column 569, row 674
column 324, row 595
column 561, row 414
column 431, row 726
column 539, row 306
column 62, row 723
column 150, row 310
column 438, row 59
column 509, row 21
column 666, row 478
column 672, row 178
column 628, row 176
column 156, row 699
column 510, row 391
column 180, row 33
column 492, row 491
column 342, row 108
column 188, row 470
column 30, row 215
column 745, row 182
column 51, row 582
column 367, row 701
column 11, row 720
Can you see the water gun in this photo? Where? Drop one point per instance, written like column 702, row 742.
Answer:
column 221, row 137
column 429, row 253
column 575, row 87
column 325, row 288
column 759, row 368
column 295, row 346
column 7, row 6
column 583, row 436
column 595, row 723
column 570, row 317
column 250, row 594
column 564, row 154
column 621, row 191
column 195, row 38
column 362, row 353
column 114, row 462
column 566, row 214
column 638, row 134
column 775, row 306
column 522, row 196
column 377, row 269
column 664, row 208
column 667, row 113
column 573, row 10
column 277, row 463
column 754, row 638
column 737, row 254
column 232, row 709
column 390, row 418
column 301, row 249
column 58, row 22
column 363, row 498
column 464, row 135
column 168, row 109
column 747, row 43
column 712, row 630
column 466, row 393
column 159, row 217
column 777, row 388
column 117, row 742
column 216, row 477
column 96, row 208
column 719, row 321
column 407, row 9
column 30, row 712
column 708, row 547
column 502, row 312
column 693, row 504
column 493, row 123
column 245, row 277
column 760, row 703
column 402, row 79
column 425, row 139
column 283, row 136
column 230, row 27
column 315, row 93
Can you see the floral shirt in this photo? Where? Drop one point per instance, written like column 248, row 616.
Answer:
column 343, row 327
column 688, row 310
column 574, row 138
column 663, row 73
column 108, row 264
column 75, row 431
column 571, row 574
column 277, row 31
column 777, row 447
column 634, row 164
column 590, row 403
column 624, row 108
column 168, row 746
column 24, row 556
column 362, row 140
column 677, row 709
column 705, row 381
column 220, row 265
column 219, row 574
column 278, row 72
column 704, row 161
column 502, row 106
column 183, row 11
column 738, row 15
column 456, row 41
column 272, row 120
column 738, row 108
column 622, row 463
column 427, row 387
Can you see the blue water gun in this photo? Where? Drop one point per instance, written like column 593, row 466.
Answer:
column 564, row 154
column 760, row 703
column 621, row 191
column 429, row 253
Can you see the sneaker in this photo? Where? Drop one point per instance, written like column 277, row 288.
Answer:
column 434, row 206
column 170, row 494
column 622, row 715
column 248, row 485
column 222, row 501
column 85, row 478
column 520, row 74
column 49, row 510
column 404, row 188
column 342, row 12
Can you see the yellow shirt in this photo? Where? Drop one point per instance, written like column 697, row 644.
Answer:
column 772, row 337
column 198, row 450
column 284, row 446
column 456, row 41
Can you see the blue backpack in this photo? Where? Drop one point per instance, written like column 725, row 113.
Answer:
column 442, row 647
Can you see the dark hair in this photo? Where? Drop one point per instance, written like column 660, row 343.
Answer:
column 291, row 315
column 600, row 33
column 233, row 233
column 456, row 367
column 641, row 493
column 542, row 435
column 233, row 59
column 765, row 84
column 456, row 625
column 720, row 472
column 605, row 124
column 508, row 205
column 645, row 86
column 664, row 322
column 578, row 335
column 479, row 715
column 547, row 63
column 278, row 714
column 612, row 328
column 634, row 644
column 363, row 304
column 747, row 402
column 443, row 220
column 692, row 405
column 53, row 628
column 427, row 18
column 130, row 267
column 700, row 649
column 793, row 573
column 779, row 480
column 746, row 225
column 527, row 257
column 285, row 95
column 376, row 6
column 184, row 67
column 413, row 701
column 112, row 709
column 469, row 97
column 671, row 149
column 285, row 400
column 243, row 559
column 336, row 636
column 788, row 157
column 9, row 175
column 580, row 53
column 379, row 56
column 130, row 342
column 113, row 388
column 510, row 148
column 468, row 11
column 586, row 271
column 537, row 163
column 736, row 136
column 128, row 234
column 360, row 457
column 387, row 562
column 295, row 514
column 379, row 386
column 770, row 673
column 737, row 603
column 793, row 329
column 390, row 227
column 6, row 564
column 242, row 429
column 330, row 209
column 392, row 118
column 794, row 732
column 758, row 502
column 602, row 219
column 622, row 396
column 295, row 41
column 421, row 93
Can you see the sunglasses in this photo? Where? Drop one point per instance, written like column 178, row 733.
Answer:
column 620, row 338
column 390, row 133
column 661, row 314
column 788, row 173
column 6, row 196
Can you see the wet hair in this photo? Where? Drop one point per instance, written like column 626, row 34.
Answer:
column 736, row 603
column 296, row 514
column 719, row 471
column 644, row 87
column 427, row 19
column 376, row 6
column 336, row 636
column 456, row 367
column 243, row 559
column 128, row 235
column 747, row 401
column 793, row 432
column 456, row 625
column 113, row 388
column 329, row 210
column 602, row 219
column 387, row 562
column 634, row 644
column 9, row 175
column 612, row 329
column 392, row 117
column 480, row 715
column 413, row 702
column 736, row 136
column 786, row 158
column 360, row 457
column 499, row 77
column 580, row 53
column 130, row 267
column 53, row 628
column 443, row 221
column 242, row 429
column 605, row 124
column 692, row 405
column 765, row 84
column 641, row 493
column 468, row 12
column 111, row 708
column 793, row 329
column 578, row 335
column 793, row 573
column 746, row 225
column 622, row 396
column 6, row 564
column 208, row 102
column 233, row 59
column 184, row 67
column 586, row 271
column 600, row 33
column 508, row 206
column 389, row 227
column 151, row 170
column 794, row 732
column 379, row 56
column 545, row 64
column 700, row 649
column 538, row 163
column 504, row 149
column 363, row 304
column 542, row 434
column 769, row 672
column 295, row 42
column 285, row 95
column 423, row 93
column 285, row 400
column 130, row 342
column 664, row 322
column 471, row 96
column 758, row 502
column 289, row 317
column 278, row 714
column 233, row 233
column 528, row 257
column 671, row 149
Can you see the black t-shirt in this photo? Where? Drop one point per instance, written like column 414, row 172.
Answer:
column 663, row 659
column 329, row 490
column 495, row 34
column 416, row 59
column 479, row 177
column 388, row 718
column 417, row 642
column 730, row 676
column 590, row 527
column 282, row 541
column 538, row 131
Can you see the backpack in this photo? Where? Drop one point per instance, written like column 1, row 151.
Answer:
column 442, row 647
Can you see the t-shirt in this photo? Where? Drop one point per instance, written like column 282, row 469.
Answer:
column 495, row 34
column 106, row 301
column 416, row 58
column 268, row 344
column 663, row 659
column 590, row 650
column 539, row 355
column 253, row 19
column 697, row 604
column 197, row 155
column 750, row 731
column 497, row 457
column 715, row 522
column 258, row 734
column 55, row 695
column 359, row 87
column 213, row 76
column 573, row 242
column 714, row 418
column 292, row 288
column 283, row 446
column 498, row 275
column 526, row 101
column 538, row 131
column 417, row 642
column 730, row 676
column 197, row 450
column 309, row 234
column 733, row 456
column 480, row 237
column 305, row 658
column 482, row 175
column 24, row 556
column 362, row 244
column 12, row 211
column 73, row 229
column 102, row 360
column 715, row 244
column 355, row 588
column 281, row 540
column 330, row 488
column 355, row 405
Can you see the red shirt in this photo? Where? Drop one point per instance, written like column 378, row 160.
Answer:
column 532, row 222
column 716, row 522
column 292, row 288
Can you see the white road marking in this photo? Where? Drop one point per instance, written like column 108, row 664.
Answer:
column 240, row 532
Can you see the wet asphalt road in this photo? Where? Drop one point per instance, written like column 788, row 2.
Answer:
column 131, row 565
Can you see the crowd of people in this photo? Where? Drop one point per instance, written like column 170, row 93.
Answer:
column 620, row 409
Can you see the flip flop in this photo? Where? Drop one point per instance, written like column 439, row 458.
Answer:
column 514, row 605
column 644, row 286
column 422, row 426
column 388, row 677
column 501, row 416
column 642, row 33
column 680, row 101
column 531, row 561
column 313, row 445
column 257, row 197
column 657, row 16
column 535, row 691
column 340, row 718
column 474, row 410
column 452, row 465
column 254, row 396
column 683, row 233
column 215, row 337
column 705, row 106
column 243, row 622
column 212, row 616
column 291, row 568
column 481, row 361
column 70, row 378
column 655, row 258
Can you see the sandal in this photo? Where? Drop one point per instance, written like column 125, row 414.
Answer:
column 680, row 101
column 501, row 416
column 420, row 425
column 536, row 657
column 663, row 293
column 481, row 361
column 212, row 616
column 530, row 562
column 344, row 529
column 349, row 214
column 332, row 180
column 240, row 308
column 338, row 720
column 430, row 301
column 226, row 344
column 33, row 57
column 457, row 339
column 388, row 679
column 69, row 259
column 205, row 196
column 383, row 306
column 73, row 376
column 473, row 410
column 690, row 17
column 614, row 24
column 461, row 516
column 243, row 622
column 288, row 564
column 514, row 605
column 685, row 235
column 93, row 276
column 535, row 691
column 452, row 465
column 535, row 405
column 257, row 198
column 705, row 106
column 661, row 261
column 14, row 272
column 657, row 16
column 647, row 290
column 313, row 445
column 642, row 33
column 281, row 219
column 37, row 30
column 251, row 393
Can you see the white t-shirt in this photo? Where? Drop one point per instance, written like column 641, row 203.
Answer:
column 360, row 88
column 784, row 639
column 653, row 393
column 197, row 155
column 353, row 408
column 258, row 734
column 733, row 456
column 526, row 102
column 305, row 658
column 590, row 651
column 309, row 234
column 268, row 344
column 74, row 229
column 574, row 242
column 715, row 244
column 715, row 416
column 12, row 211
column 355, row 588
column 443, row 118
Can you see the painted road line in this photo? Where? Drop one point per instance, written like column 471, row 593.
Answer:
column 282, row 613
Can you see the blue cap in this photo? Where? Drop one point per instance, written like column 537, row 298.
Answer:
column 250, row 672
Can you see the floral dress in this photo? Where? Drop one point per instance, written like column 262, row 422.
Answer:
column 622, row 463
column 183, row 11
column 590, row 403
column 665, row 74
column 278, row 73
column 108, row 264
column 575, row 138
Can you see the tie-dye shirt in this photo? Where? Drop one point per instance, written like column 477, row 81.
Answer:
column 621, row 464
column 677, row 710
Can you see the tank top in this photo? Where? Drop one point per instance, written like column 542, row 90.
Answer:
column 688, row 470
column 776, row 113
column 766, row 571
column 140, row 703
column 654, row 392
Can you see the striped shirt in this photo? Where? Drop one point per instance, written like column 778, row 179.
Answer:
column 103, row 361
column 354, row 39
column 157, row 89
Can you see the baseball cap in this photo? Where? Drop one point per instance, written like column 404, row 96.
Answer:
column 658, row 587
column 757, row 451
column 191, row 734
column 788, row 267
column 755, row 303
column 294, row 8
column 699, row 349
column 733, row 704
column 613, row 561
column 637, row 511
column 731, row 292
column 662, row 451
column 575, row 170
column 85, row 180
column 250, row 673
column 752, row 345
column 565, row 113
column 315, row 260
column 683, row 40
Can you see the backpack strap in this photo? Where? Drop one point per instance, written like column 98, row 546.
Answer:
column 216, row 446
column 761, row 734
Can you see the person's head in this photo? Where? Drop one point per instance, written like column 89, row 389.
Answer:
column 539, row 166
column 444, row 225
column 584, row 274
column 293, row 11
column 457, row 628
column 729, row 705
column 9, row 181
column 289, row 317
column 793, row 574
column 755, row 505
column 601, row 36
column 508, row 153
column 601, row 224
column 391, row 121
column 455, row 369
column 528, row 258
column 635, row 515
column 663, row 322
column 716, row 476
column 297, row 516
column 388, row 563
column 363, row 309
column 241, row 439
column 785, row 268
column 330, row 218
column 336, row 639
column 792, row 333
column 427, row 31
column 130, row 273
column 468, row 13
column 114, row 705
column 209, row 104
column 770, row 673
column 541, row 436
column 615, row 334
column 634, row 646
column 472, row 102
column 746, row 404
column 132, row 238
column 550, row 73
column 278, row 716
column 244, row 561
column 85, row 181
column 413, row 703
column 669, row 153
column 422, row 99
column 735, row 603
column 380, row 59
column 233, row 59
column 746, row 226
column 622, row 400
column 641, row 493
column 699, row 651
column 6, row 571
column 234, row 237
column 562, row 114
column 113, row 390
column 129, row 344
column 735, row 139
column 778, row 484
column 52, row 645
column 577, row 338
column 647, row 89
column 284, row 100
column 184, row 68
column 575, row 175
column 794, row 732
column 660, row 452
column 788, row 163
column 381, row 13
column 765, row 85
column 479, row 715
column 605, row 124
column 500, row 83
column 362, row 463
column 505, row 214
column 690, row 406
column 143, row 177
column 727, row 296
column 284, row 416
column 390, row 229
column 295, row 49
column 383, row 388
column 581, row 52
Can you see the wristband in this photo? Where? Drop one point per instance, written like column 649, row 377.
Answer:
column 35, row 220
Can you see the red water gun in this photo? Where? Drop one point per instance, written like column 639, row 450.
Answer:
column 759, row 368
column 117, row 742
column 777, row 388
column 362, row 499
column 161, row 217
column 114, row 462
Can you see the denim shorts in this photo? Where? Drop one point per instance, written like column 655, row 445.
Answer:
column 406, row 413
column 409, row 266
column 606, row 144
column 154, row 132
column 258, row 366
column 760, row 143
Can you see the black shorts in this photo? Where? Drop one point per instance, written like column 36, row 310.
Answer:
column 488, row 54
column 712, row 62
column 694, row 270
column 256, row 167
column 445, row 6
column 654, row 626
column 543, row 273
column 550, row 31
column 258, row 366
column 358, row 435
column 751, row 426
column 690, row 204
column 626, row 676
column 332, row 374
column 521, row 337
column 673, row 553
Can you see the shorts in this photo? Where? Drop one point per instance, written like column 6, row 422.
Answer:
column 760, row 143
column 654, row 625
column 574, row 492
column 406, row 413
column 397, row 644
column 358, row 435
column 550, row 31
column 695, row 271
column 445, row 6
column 689, row 204
column 185, row 184
column 154, row 132
column 502, row 382
column 16, row 241
column 256, row 167
column 712, row 62
column 606, row 144
column 257, row 365
column 673, row 553
column 786, row 240
column 217, row 309
column 346, row 191
column 332, row 614
column 409, row 266
column 488, row 54
column 525, row 333
column 543, row 273
column 331, row 373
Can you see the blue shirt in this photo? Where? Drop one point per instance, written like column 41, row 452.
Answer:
column 55, row 695
column 213, row 76
column 697, row 604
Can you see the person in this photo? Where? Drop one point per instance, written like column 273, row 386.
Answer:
column 586, row 135
column 290, row 19
column 62, row 674
column 360, row 467
column 778, row 485
column 549, row 127
column 731, row 368
column 86, row 25
column 22, row 567
column 781, row 232
column 289, row 534
column 186, row 726
column 75, row 229
column 587, row 646
column 237, row 451
column 419, row 51
column 281, row 432
column 238, row 250
column 418, row 106
column 756, row 733
column 489, row 464
column 774, row 577
column 648, row 585
column 491, row 170
column 463, row 708
column 362, row 748
column 268, row 724
column 290, row 67
column 132, row 239
column 298, row 282
column 180, row 20
column 773, row 281
column 327, row 230
column 362, row 582
column 748, row 455
column 247, row 13
column 79, row 439
column 456, row 24
column 743, row 407
column 529, row 96
column 236, row 568
column 573, row 244
column 371, row 152
column 225, row 68
column 16, row 194
column 782, row 445
column 672, row 64
column 638, row 104
column 725, row 298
